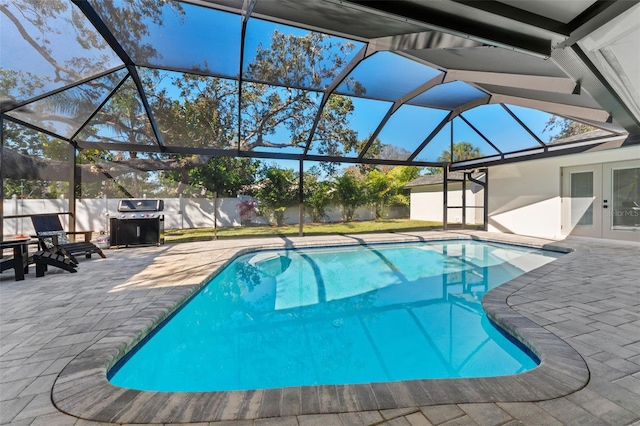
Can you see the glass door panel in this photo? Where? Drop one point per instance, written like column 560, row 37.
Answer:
column 621, row 196
column 602, row 200
column 582, row 200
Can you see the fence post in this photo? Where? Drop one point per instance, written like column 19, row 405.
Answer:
column 181, row 211
column 106, row 214
column 14, row 197
column 215, row 215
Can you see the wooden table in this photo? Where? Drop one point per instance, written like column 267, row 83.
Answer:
column 20, row 260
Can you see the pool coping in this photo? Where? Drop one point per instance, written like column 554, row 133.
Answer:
column 82, row 389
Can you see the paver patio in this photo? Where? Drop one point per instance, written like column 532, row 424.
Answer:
column 56, row 332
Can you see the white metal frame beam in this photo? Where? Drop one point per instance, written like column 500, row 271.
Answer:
column 532, row 82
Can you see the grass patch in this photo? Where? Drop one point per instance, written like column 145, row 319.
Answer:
column 369, row 226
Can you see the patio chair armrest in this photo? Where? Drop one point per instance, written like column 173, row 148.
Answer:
column 41, row 239
column 40, row 242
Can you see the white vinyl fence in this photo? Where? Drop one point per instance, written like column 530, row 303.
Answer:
column 179, row 213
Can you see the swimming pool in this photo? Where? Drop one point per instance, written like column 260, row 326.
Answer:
column 347, row 315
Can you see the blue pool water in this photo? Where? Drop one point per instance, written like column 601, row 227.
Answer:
column 346, row 315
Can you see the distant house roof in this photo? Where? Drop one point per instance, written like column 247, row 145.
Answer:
column 437, row 179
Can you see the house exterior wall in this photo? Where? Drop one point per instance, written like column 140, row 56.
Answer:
column 426, row 203
column 525, row 197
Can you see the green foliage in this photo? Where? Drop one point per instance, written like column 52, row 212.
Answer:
column 349, row 194
column 38, row 145
column 205, row 113
column 226, row 176
column 133, row 22
column 317, row 194
column 29, row 188
column 40, row 18
column 296, row 62
column 461, row 151
column 565, row 128
column 379, row 191
column 387, row 189
column 402, row 175
column 277, row 190
column 307, row 60
column 21, row 85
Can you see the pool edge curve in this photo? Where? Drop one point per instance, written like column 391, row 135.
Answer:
column 82, row 389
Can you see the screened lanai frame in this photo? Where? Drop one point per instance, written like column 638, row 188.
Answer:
column 455, row 93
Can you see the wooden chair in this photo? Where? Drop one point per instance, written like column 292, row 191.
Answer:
column 45, row 258
column 53, row 238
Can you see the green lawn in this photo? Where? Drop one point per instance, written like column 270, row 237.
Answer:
column 205, row 234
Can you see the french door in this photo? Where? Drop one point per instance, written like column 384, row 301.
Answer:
column 602, row 200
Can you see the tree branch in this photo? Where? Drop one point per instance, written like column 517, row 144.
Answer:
column 20, row 166
column 37, row 47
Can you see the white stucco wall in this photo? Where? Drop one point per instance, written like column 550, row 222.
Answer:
column 525, row 197
column 426, row 203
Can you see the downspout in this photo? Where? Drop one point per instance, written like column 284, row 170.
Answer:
column 445, row 191
column 485, row 195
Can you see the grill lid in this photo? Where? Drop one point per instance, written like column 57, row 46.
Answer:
column 144, row 205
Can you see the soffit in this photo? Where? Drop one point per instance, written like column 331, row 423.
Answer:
column 563, row 11
column 490, row 59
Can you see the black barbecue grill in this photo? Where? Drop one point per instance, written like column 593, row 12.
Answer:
column 139, row 222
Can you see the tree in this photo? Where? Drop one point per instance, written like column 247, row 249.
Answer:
column 378, row 188
column 461, row 151
column 317, row 194
column 226, row 176
column 35, row 20
column 401, row 176
column 349, row 194
column 277, row 190
column 386, row 189
column 205, row 114
column 296, row 62
column 49, row 174
column 379, row 150
column 565, row 128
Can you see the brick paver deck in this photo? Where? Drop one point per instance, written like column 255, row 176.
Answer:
column 59, row 334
